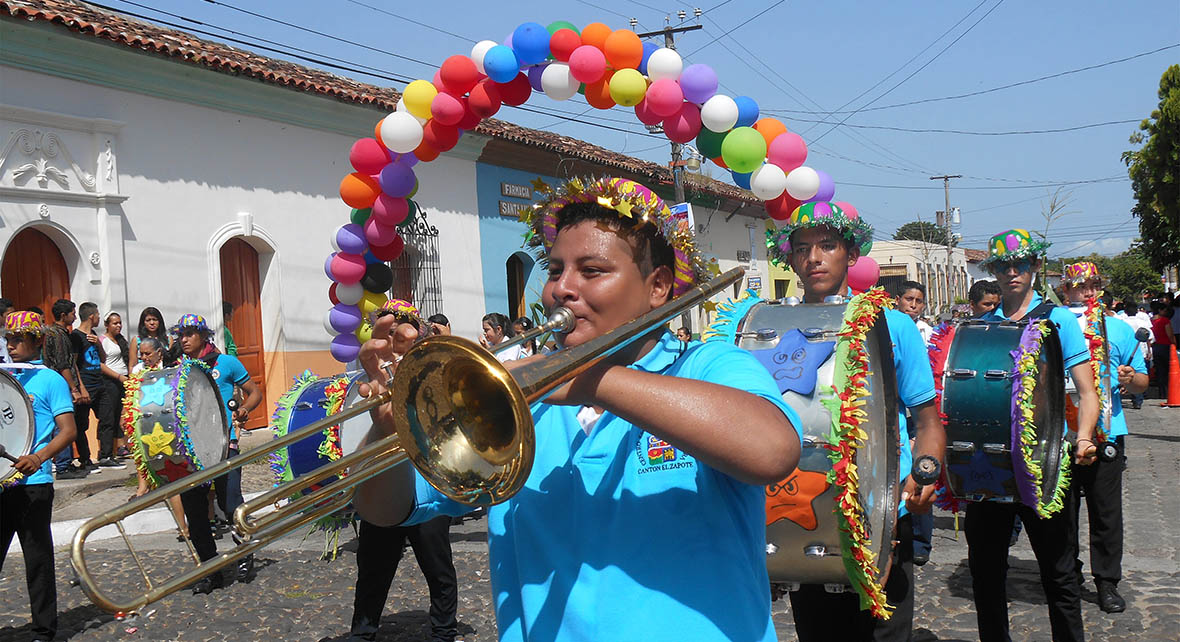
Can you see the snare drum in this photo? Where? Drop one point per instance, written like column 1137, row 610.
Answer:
column 803, row 525
column 178, row 422
column 17, row 426
column 309, row 400
column 985, row 458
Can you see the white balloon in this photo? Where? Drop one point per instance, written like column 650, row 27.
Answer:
column 719, row 114
column 802, row 183
column 401, row 107
column 350, row 294
column 479, row 51
column 664, row 63
column 328, row 325
column 767, row 183
column 558, row 83
column 401, row 132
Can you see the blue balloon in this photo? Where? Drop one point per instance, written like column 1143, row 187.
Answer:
column 369, row 258
column 501, row 64
column 648, row 48
column 747, row 111
column 741, row 180
column 531, row 43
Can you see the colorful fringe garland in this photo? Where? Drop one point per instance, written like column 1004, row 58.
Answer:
column 939, row 350
column 1028, row 472
column 336, row 391
column 186, row 366
column 1097, row 344
column 847, row 409
column 130, row 420
column 279, row 465
column 729, row 314
column 14, row 480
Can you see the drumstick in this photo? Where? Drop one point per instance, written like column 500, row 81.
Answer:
column 926, row 471
column 4, row 454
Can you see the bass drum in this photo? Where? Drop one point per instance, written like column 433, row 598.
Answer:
column 309, row 400
column 179, row 422
column 17, row 426
column 802, row 521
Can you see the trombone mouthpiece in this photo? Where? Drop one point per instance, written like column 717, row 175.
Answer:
column 561, row 320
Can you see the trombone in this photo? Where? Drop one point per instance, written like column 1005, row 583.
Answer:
column 467, row 429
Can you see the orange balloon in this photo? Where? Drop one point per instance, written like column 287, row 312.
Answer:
column 359, row 190
column 595, row 34
column 425, row 152
column 598, row 93
column 623, row 49
column 770, row 128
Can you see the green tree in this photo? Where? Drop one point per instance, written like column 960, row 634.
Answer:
column 1155, row 175
column 922, row 231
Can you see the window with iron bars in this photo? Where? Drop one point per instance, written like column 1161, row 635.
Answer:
column 417, row 273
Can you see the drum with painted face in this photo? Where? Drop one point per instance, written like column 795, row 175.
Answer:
column 796, row 342
column 178, row 422
column 17, row 426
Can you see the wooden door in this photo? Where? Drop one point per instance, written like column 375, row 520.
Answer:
column 241, row 286
column 34, row 272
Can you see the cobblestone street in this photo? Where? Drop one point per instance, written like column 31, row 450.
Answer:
column 298, row 597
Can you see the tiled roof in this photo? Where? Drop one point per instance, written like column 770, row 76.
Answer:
column 90, row 20
column 974, row 256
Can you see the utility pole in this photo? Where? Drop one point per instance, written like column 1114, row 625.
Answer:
column 677, row 149
column 946, row 222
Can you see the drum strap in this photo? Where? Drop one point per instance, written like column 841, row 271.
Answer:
column 1041, row 311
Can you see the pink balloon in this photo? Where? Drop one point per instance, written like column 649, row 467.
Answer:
column 645, row 115
column 685, row 125
column 664, row 97
column 863, row 274
column 390, row 210
column 787, row 150
column 348, row 268
column 446, row 109
column 379, row 233
column 849, row 211
column 587, row 64
column 368, row 156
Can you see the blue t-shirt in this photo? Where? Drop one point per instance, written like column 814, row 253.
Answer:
column 915, row 380
column 229, row 372
column 618, row 535
column 1124, row 351
column 50, row 395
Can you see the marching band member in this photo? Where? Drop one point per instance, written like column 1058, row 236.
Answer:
column 1102, row 482
column 643, row 515
column 26, row 503
column 819, row 243
column 1014, row 259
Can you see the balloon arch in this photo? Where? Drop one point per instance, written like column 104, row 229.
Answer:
column 611, row 67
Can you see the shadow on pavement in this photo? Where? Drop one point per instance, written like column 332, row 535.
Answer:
column 405, row 626
column 1024, row 582
column 926, row 635
column 69, row 623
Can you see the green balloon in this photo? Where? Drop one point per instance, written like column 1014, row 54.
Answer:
column 413, row 191
column 360, row 216
column 709, row 143
column 554, row 27
column 743, row 149
column 410, row 215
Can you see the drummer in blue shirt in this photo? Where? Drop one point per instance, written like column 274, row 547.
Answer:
column 1103, row 481
column 643, row 516
column 823, row 241
column 1014, row 258
column 26, row 503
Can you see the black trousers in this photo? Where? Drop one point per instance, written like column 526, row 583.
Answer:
column 1102, row 483
column 377, row 557
column 228, row 488
column 816, row 611
column 989, row 529
column 27, row 512
column 196, row 512
column 105, row 400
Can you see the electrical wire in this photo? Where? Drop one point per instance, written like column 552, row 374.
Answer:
column 739, row 26
column 412, row 21
column 963, row 132
column 1110, row 179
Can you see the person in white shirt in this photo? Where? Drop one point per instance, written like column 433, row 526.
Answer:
column 115, row 355
column 1134, row 317
column 5, row 306
column 496, row 329
column 520, row 326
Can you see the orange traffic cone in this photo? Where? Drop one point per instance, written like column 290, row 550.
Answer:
column 1173, row 381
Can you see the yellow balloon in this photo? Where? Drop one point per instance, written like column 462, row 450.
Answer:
column 365, row 332
column 370, row 302
column 418, row 96
column 627, row 87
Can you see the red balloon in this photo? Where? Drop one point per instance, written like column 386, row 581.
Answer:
column 390, row 210
column 470, row 119
column 459, row 74
column 485, row 98
column 389, row 252
column 446, row 109
column 684, row 126
column 646, row 115
column 598, row 93
column 425, row 152
column 440, row 136
column 516, row 91
column 780, row 208
column 332, row 295
column 719, row 162
column 563, row 42
column 368, row 156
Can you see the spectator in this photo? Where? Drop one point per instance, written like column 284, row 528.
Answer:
column 684, row 334
column 5, row 308
column 114, row 344
column 1136, row 321
column 94, row 372
column 1161, row 349
column 58, row 354
column 911, row 300
column 984, row 297
column 439, row 324
column 227, row 311
column 495, row 330
column 520, row 326
column 151, row 324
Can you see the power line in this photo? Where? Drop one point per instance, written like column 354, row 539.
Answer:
column 963, row 132
column 1109, row 179
column 743, row 23
column 412, row 21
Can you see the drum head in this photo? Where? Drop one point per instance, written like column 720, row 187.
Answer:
column 207, row 428
column 17, row 427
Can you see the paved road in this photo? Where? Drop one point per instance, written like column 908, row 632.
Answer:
column 298, row 597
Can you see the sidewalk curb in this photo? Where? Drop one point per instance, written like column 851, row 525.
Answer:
column 68, row 490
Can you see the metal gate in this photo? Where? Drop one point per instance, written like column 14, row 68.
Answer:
column 417, row 273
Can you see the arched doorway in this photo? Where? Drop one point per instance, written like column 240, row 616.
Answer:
column 241, row 286
column 34, row 272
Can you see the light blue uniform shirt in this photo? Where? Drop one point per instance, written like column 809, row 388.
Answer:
column 50, row 395
column 229, row 372
column 1124, row 351
column 618, row 535
column 915, row 380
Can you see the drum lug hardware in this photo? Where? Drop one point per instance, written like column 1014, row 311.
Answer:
column 812, row 333
column 815, row 550
column 792, row 300
column 995, row 449
column 791, row 587
column 305, row 405
column 766, row 334
column 835, row 588
column 808, row 442
column 962, row 373
column 962, row 447
column 771, row 549
column 147, row 415
column 166, row 411
column 834, row 298
column 996, row 374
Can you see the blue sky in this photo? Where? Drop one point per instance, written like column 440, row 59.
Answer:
column 801, row 60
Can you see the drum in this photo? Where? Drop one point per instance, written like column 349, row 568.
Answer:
column 178, row 422
column 17, row 425
column 803, row 524
column 996, row 451
column 309, row 400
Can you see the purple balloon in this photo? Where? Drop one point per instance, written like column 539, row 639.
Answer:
column 827, row 188
column 344, row 318
column 345, row 347
column 328, row 266
column 699, row 83
column 535, row 76
column 351, row 239
column 409, row 160
column 397, row 180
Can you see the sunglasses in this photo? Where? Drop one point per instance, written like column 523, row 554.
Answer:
column 1022, row 266
column 13, row 339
